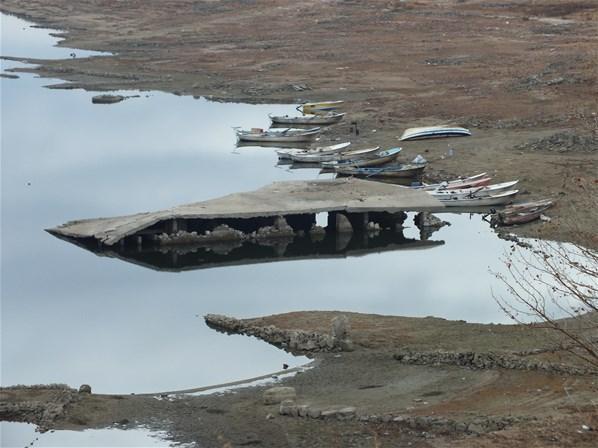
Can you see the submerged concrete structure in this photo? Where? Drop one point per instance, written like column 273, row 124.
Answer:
column 280, row 209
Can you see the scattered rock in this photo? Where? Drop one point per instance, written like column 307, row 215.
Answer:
column 562, row 142
column 288, row 407
column 107, row 99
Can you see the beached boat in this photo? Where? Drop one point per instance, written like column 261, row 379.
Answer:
column 286, row 136
column 434, row 132
column 286, row 153
column 451, row 193
column 521, row 213
column 320, row 106
column 402, row 171
column 376, row 158
column 324, row 119
column 329, row 157
column 470, row 182
column 478, row 201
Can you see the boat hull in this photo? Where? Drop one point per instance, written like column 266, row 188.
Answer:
column 278, row 137
column 306, row 121
column 499, row 199
column 407, row 172
column 434, row 132
column 333, row 156
column 481, row 191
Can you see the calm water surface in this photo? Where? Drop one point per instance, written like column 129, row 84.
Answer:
column 70, row 316
column 21, row 435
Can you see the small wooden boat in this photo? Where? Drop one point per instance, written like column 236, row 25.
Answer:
column 329, row 118
column 329, row 157
column 478, row 201
column 376, row 158
column 465, row 183
column 286, row 136
column 402, row 171
column 521, row 213
column 434, row 132
column 528, row 206
column 450, row 193
column 286, row 153
column 320, row 106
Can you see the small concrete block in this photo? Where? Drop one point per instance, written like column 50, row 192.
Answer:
column 314, row 413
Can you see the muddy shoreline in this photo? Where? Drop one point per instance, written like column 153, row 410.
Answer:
column 495, row 385
column 523, row 77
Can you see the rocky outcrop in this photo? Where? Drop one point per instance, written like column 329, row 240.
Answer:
column 294, row 341
column 490, row 360
column 437, row 424
column 38, row 404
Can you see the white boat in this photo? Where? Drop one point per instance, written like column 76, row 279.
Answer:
column 285, row 136
column 286, row 153
column 376, row 158
column 464, row 182
column 329, row 118
column 479, row 201
column 434, row 132
column 334, row 156
column 451, row 193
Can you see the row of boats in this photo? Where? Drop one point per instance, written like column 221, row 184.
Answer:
column 475, row 191
column 324, row 114
column 381, row 164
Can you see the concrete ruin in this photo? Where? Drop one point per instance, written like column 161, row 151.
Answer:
column 279, row 210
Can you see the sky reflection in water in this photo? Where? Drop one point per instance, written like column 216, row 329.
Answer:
column 70, row 316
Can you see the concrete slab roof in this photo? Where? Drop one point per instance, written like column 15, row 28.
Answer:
column 279, row 198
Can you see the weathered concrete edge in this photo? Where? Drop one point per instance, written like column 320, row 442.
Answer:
column 126, row 225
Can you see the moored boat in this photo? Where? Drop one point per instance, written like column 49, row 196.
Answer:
column 329, row 157
column 521, row 213
column 401, row 171
column 434, row 132
column 485, row 190
column 376, row 158
column 323, row 119
column 286, row 153
column 286, row 136
column 502, row 198
column 474, row 181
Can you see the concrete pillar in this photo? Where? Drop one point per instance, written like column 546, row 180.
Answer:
column 339, row 222
column 139, row 239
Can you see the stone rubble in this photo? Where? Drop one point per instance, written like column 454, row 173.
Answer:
column 437, row 424
column 489, row 360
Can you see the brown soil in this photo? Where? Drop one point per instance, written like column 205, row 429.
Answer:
column 542, row 408
column 517, row 73
column 520, row 74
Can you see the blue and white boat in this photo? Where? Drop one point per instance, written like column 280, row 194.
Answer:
column 434, row 132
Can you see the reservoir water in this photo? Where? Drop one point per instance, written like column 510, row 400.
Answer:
column 70, row 316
